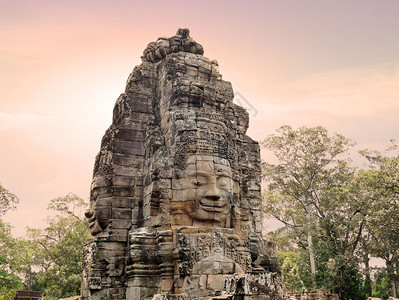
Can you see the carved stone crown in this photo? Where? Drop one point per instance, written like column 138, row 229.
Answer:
column 182, row 41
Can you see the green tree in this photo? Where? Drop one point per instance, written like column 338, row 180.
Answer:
column 8, row 201
column 308, row 190
column 71, row 205
column 9, row 280
column 296, row 183
column 294, row 260
column 295, row 267
column 380, row 285
column 61, row 244
column 25, row 260
column 380, row 184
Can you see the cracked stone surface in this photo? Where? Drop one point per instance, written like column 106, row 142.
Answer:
column 175, row 201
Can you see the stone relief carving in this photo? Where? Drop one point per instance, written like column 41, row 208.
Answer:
column 175, row 198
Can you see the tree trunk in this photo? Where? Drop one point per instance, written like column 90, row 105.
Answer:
column 367, row 283
column 30, row 278
column 397, row 277
column 391, row 277
column 311, row 253
column 394, row 289
column 312, row 261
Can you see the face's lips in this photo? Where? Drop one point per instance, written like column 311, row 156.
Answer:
column 92, row 223
column 212, row 209
column 212, row 205
column 91, row 218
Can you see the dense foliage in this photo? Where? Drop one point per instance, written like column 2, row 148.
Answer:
column 8, row 201
column 50, row 259
column 9, row 279
column 334, row 217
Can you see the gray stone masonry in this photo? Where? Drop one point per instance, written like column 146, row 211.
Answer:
column 175, row 202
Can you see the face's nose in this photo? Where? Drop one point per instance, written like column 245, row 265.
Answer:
column 88, row 214
column 212, row 192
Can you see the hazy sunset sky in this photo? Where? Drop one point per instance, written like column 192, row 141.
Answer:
column 298, row 62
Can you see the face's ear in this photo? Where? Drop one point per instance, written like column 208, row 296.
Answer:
column 236, row 187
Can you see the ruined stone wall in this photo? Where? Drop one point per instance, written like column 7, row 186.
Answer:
column 175, row 199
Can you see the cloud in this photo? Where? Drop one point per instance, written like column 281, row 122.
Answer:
column 17, row 121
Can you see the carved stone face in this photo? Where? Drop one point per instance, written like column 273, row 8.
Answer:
column 98, row 213
column 91, row 216
column 205, row 191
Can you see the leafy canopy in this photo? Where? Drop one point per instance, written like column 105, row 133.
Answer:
column 8, row 201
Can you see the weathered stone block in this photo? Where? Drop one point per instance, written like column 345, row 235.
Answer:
column 133, row 293
column 121, row 224
column 167, row 285
column 123, row 181
column 216, row 282
column 123, row 202
column 180, row 220
column 121, row 213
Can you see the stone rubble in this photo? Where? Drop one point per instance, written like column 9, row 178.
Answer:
column 319, row 294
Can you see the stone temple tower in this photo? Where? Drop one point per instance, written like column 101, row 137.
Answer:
column 175, row 202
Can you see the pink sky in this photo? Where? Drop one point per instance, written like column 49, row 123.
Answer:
column 298, row 62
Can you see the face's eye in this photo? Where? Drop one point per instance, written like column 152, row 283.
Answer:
column 223, row 182
column 201, row 180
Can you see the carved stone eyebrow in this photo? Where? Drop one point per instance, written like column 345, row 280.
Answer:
column 222, row 173
column 191, row 170
column 204, row 174
column 191, row 173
